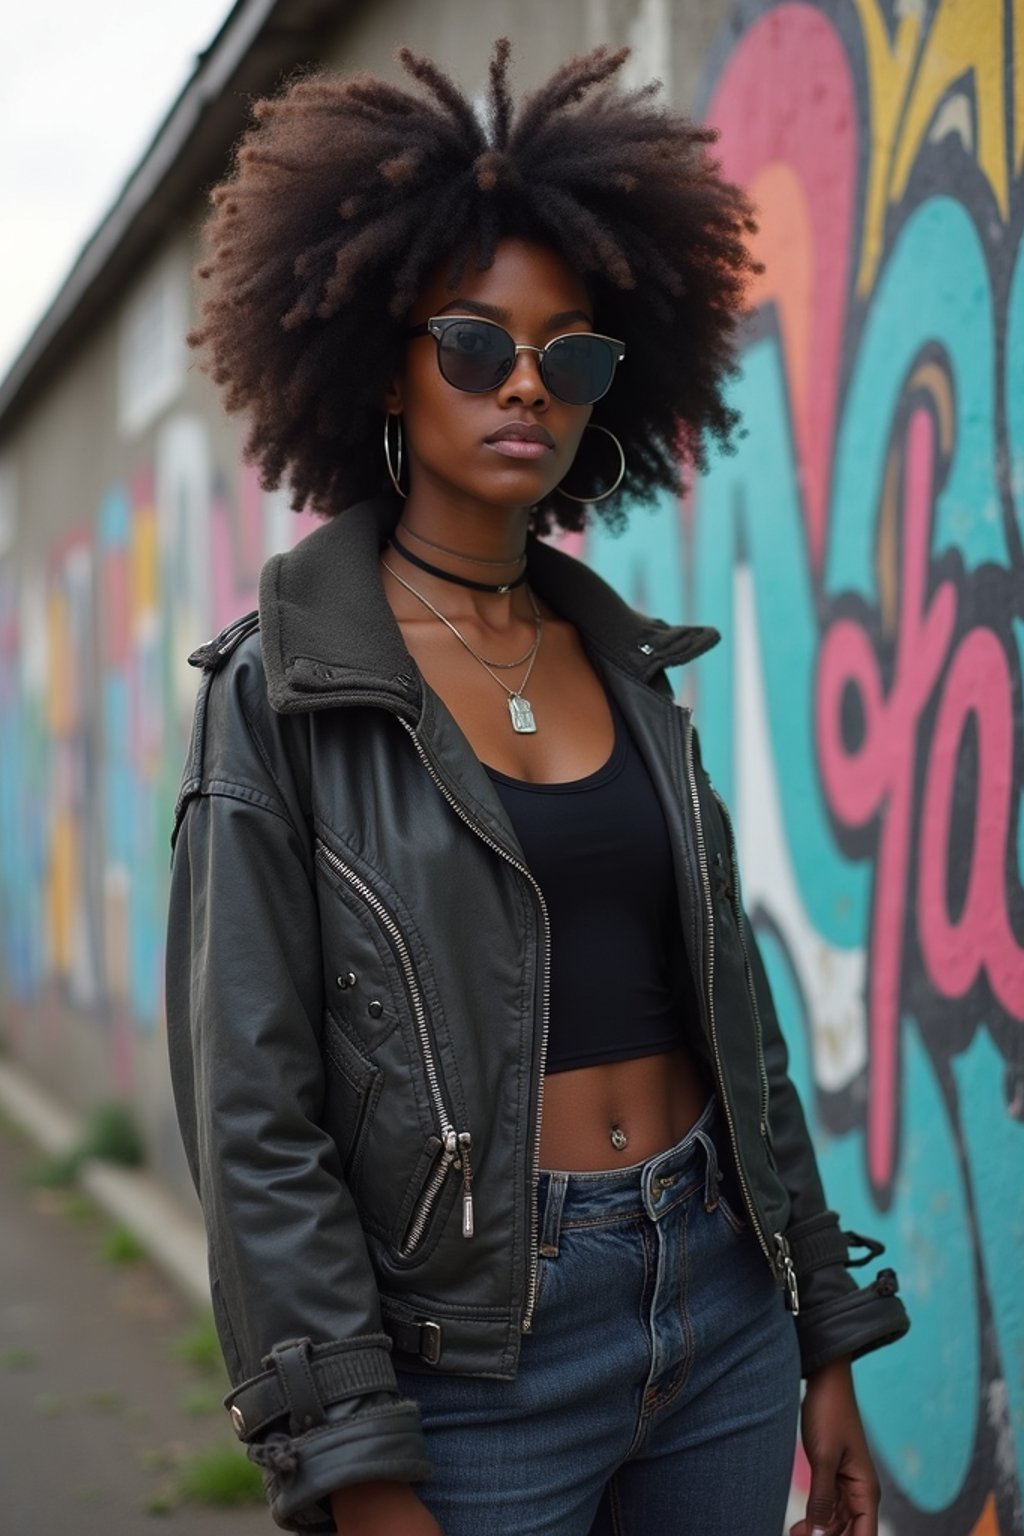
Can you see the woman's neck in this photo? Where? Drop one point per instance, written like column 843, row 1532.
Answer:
column 484, row 548
column 474, row 541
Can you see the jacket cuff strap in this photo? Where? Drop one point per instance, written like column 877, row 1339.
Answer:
column 303, row 1379
column 850, row 1326
column 818, row 1244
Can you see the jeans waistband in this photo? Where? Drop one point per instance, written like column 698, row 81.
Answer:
column 652, row 1187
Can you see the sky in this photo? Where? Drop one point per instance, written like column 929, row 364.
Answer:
column 84, row 85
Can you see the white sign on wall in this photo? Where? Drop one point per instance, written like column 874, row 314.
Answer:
column 152, row 354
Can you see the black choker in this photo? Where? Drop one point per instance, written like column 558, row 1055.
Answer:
column 460, row 581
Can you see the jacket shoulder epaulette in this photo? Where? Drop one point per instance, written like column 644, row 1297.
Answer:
column 216, row 651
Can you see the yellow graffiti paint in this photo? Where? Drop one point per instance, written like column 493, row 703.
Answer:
column 144, row 564
column 889, row 66
column 58, row 676
column 912, row 80
column 63, row 884
column 1018, row 86
column 963, row 40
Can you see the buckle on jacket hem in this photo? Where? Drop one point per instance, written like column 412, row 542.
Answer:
column 417, row 1336
column 430, row 1342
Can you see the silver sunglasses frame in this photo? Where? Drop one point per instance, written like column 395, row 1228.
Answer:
column 436, row 326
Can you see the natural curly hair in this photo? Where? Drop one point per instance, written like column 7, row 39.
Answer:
column 346, row 193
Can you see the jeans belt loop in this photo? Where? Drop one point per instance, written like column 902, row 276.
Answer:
column 551, row 1224
column 712, row 1174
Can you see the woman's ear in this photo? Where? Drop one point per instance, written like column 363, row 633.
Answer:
column 392, row 398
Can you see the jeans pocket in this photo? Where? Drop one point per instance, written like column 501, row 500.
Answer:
column 735, row 1222
column 730, row 1198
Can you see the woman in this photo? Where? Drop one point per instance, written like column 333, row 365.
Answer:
column 475, row 1060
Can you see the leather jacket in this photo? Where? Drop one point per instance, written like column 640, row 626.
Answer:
column 357, row 994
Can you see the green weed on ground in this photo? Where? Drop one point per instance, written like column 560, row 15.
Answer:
column 198, row 1347
column 18, row 1360
column 223, row 1476
column 111, row 1134
column 121, row 1246
column 58, row 1171
column 202, row 1402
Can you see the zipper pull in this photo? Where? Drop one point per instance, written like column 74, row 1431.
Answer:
column 788, row 1272
column 465, row 1142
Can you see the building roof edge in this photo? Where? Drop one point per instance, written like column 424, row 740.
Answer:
column 131, row 225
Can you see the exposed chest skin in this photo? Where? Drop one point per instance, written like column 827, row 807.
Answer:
column 653, row 1099
column 574, row 735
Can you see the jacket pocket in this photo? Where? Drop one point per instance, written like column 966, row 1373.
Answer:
column 449, row 1148
column 353, row 1087
column 443, row 1169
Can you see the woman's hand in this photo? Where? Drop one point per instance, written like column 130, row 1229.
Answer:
column 381, row 1509
column 844, row 1485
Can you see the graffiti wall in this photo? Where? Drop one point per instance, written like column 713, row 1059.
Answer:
column 862, row 553
column 95, row 703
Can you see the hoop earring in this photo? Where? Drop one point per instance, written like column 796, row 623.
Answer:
column 394, row 473
column 595, row 426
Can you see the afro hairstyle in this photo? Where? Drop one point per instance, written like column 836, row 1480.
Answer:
column 346, row 193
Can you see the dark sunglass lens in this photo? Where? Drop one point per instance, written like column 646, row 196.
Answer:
column 475, row 356
column 579, row 369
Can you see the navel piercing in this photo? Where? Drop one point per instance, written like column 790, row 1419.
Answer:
column 618, row 1138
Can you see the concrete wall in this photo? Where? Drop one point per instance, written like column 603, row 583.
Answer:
column 861, row 552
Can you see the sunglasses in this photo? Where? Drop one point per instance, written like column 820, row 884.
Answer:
column 478, row 355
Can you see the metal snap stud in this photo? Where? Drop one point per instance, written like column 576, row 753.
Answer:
column 348, row 980
column 375, row 1009
column 647, row 649
column 238, row 1420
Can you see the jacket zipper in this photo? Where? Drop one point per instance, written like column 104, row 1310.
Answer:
column 455, row 1154
column 777, row 1265
column 751, row 989
column 456, row 1144
column 481, row 832
column 783, row 1265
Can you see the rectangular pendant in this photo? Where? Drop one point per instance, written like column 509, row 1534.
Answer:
column 522, row 714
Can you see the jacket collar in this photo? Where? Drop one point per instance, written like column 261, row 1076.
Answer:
column 329, row 637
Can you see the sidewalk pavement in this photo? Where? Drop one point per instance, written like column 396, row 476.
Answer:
column 99, row 1411
column 172, row 1237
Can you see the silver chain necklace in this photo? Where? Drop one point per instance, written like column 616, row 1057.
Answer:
column 519, row 709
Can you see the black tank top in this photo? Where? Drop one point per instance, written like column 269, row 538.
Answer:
column 598, row 847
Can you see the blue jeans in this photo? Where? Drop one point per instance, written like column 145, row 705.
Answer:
column 657, row 1394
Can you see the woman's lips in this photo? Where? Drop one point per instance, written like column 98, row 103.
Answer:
column 521, row 440
column 518, row 447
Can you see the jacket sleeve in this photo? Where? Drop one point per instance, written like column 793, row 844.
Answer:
column 835, row 1317
column 296, row 1306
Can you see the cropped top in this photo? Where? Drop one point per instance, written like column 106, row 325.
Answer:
column 598, row 846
